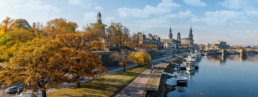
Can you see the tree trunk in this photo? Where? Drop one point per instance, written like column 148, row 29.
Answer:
column 124, row 68
column 44, row 94
column 78, row 83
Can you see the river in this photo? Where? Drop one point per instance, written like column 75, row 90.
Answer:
column 217, row 76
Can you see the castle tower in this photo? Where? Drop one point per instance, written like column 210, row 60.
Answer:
column 170, row 36
column 99, row 19
column 190, row 34
column 178, row 37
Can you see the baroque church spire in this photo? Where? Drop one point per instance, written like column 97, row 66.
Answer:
column 178, row 36
column 99, row 18
column 190, row 33
column 170, row 36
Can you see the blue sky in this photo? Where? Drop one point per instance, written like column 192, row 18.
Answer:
column 234, row 21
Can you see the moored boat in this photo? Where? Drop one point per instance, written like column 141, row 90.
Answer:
column 189, row 66
column 181, row 79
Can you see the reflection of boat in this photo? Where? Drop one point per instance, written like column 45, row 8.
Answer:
column 180, row 89
column 192, row 72
column 196, row 65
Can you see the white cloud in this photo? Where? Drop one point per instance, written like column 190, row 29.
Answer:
column 221, row 17
column 32, row 10
column 90, row 17
column 252, row 13
column 82, row 3
column 248, row 6
column 195, row 3
column 239, row 4
column 164, row 7
column 98, row 8
column 155, row 23
column 166, row 18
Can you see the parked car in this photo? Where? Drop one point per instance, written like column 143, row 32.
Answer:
column 14, row 89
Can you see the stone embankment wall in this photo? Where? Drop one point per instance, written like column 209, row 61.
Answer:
column 108, row 61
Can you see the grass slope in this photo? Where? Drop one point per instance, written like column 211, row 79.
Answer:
column 102, row 87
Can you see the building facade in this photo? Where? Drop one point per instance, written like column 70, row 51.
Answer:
column 149, row 39
column 189, row 41
column 218, row 45
column 179, row 42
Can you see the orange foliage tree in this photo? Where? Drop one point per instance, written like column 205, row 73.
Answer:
column 140, row 58
column 45, row 62
column 7, row 24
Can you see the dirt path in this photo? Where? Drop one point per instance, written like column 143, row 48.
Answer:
column 137, row 87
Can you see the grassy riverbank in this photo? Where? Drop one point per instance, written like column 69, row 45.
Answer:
column 104, row 87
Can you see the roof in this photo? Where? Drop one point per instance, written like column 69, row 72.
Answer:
column 220, row 41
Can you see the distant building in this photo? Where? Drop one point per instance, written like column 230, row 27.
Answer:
column 22, row 23
column 218, row 45
column 149, row 39
column 179, row 42
column 178, row 37
column 170, row 36
column 99, row 18
column 188, row 42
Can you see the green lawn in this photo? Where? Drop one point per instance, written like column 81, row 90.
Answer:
column 101, row 87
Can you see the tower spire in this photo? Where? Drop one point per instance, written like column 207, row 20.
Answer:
column 99, row 18
column 170, row 35
column 178, row 37
column 190, row 33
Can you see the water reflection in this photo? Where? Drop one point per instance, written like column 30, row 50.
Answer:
column 222, row 59
column 226, row 79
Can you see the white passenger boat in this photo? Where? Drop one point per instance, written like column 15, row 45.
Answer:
column 190, row 59
column 189, row 66
column 190, row 62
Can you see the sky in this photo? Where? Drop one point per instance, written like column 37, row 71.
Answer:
column 233, row 21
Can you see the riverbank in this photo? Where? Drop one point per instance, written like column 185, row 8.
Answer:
column 163, row 87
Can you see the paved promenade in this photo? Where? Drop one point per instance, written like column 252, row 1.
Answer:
column 137, row 87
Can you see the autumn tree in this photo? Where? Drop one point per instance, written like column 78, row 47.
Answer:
column 37, row 63
column 140, row 58
column 81, row 62
column 44, row 62
column 7, row 24
column 97, row 45
column 12, row 41
column 97, row 31
column 135, row 41
column 60, row 26
column 118, row 34
column 121, row 58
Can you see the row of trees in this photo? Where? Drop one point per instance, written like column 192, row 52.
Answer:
column 124, row 56
column 43, row 57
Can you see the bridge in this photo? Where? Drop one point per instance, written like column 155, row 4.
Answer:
column 230, row 51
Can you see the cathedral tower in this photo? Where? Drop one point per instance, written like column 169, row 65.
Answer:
column 99, row 19
column 170, row 36
column 190, row 34
column 178, row 37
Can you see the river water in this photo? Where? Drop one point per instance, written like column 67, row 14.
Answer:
column 217, row 76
